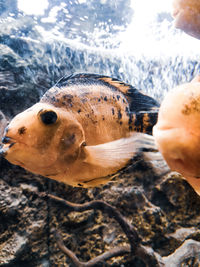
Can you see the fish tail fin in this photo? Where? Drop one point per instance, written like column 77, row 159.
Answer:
column 140, row 102
column 144, row 121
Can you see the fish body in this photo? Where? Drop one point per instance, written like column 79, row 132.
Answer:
column 187, row 16
column 84, row 129
column 177, row 132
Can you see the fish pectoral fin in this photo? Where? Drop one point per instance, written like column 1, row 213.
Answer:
column 116, row 154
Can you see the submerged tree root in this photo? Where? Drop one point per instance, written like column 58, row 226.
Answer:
column 118, row 251
column 136, row 249
column 187, row 252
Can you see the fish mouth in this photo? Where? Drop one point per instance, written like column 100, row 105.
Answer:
column 6, row 140
column 7, row 143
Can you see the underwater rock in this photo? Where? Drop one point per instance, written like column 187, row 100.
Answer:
column 19, row 229
column 186, row 255
column 3, row 124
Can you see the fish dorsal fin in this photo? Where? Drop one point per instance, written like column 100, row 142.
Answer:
column 90, row 77
column 119, row 85
column 137, row 100
column 116, row 154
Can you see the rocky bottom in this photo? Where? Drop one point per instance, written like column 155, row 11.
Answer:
column 146, row 216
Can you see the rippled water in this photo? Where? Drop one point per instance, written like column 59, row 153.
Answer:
column 133, row 40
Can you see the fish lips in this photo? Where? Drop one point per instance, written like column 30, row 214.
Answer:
column 7, row 144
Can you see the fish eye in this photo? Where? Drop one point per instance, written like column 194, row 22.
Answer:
column 48, row 117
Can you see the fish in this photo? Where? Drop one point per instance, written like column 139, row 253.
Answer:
column 84, row 129
column 186, row 15
column 177, row 131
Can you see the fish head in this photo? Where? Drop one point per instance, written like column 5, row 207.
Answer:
column 177, row 132
column 42, row 138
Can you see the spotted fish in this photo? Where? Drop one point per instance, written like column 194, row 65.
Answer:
column 83, row 130
column 177, row 132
